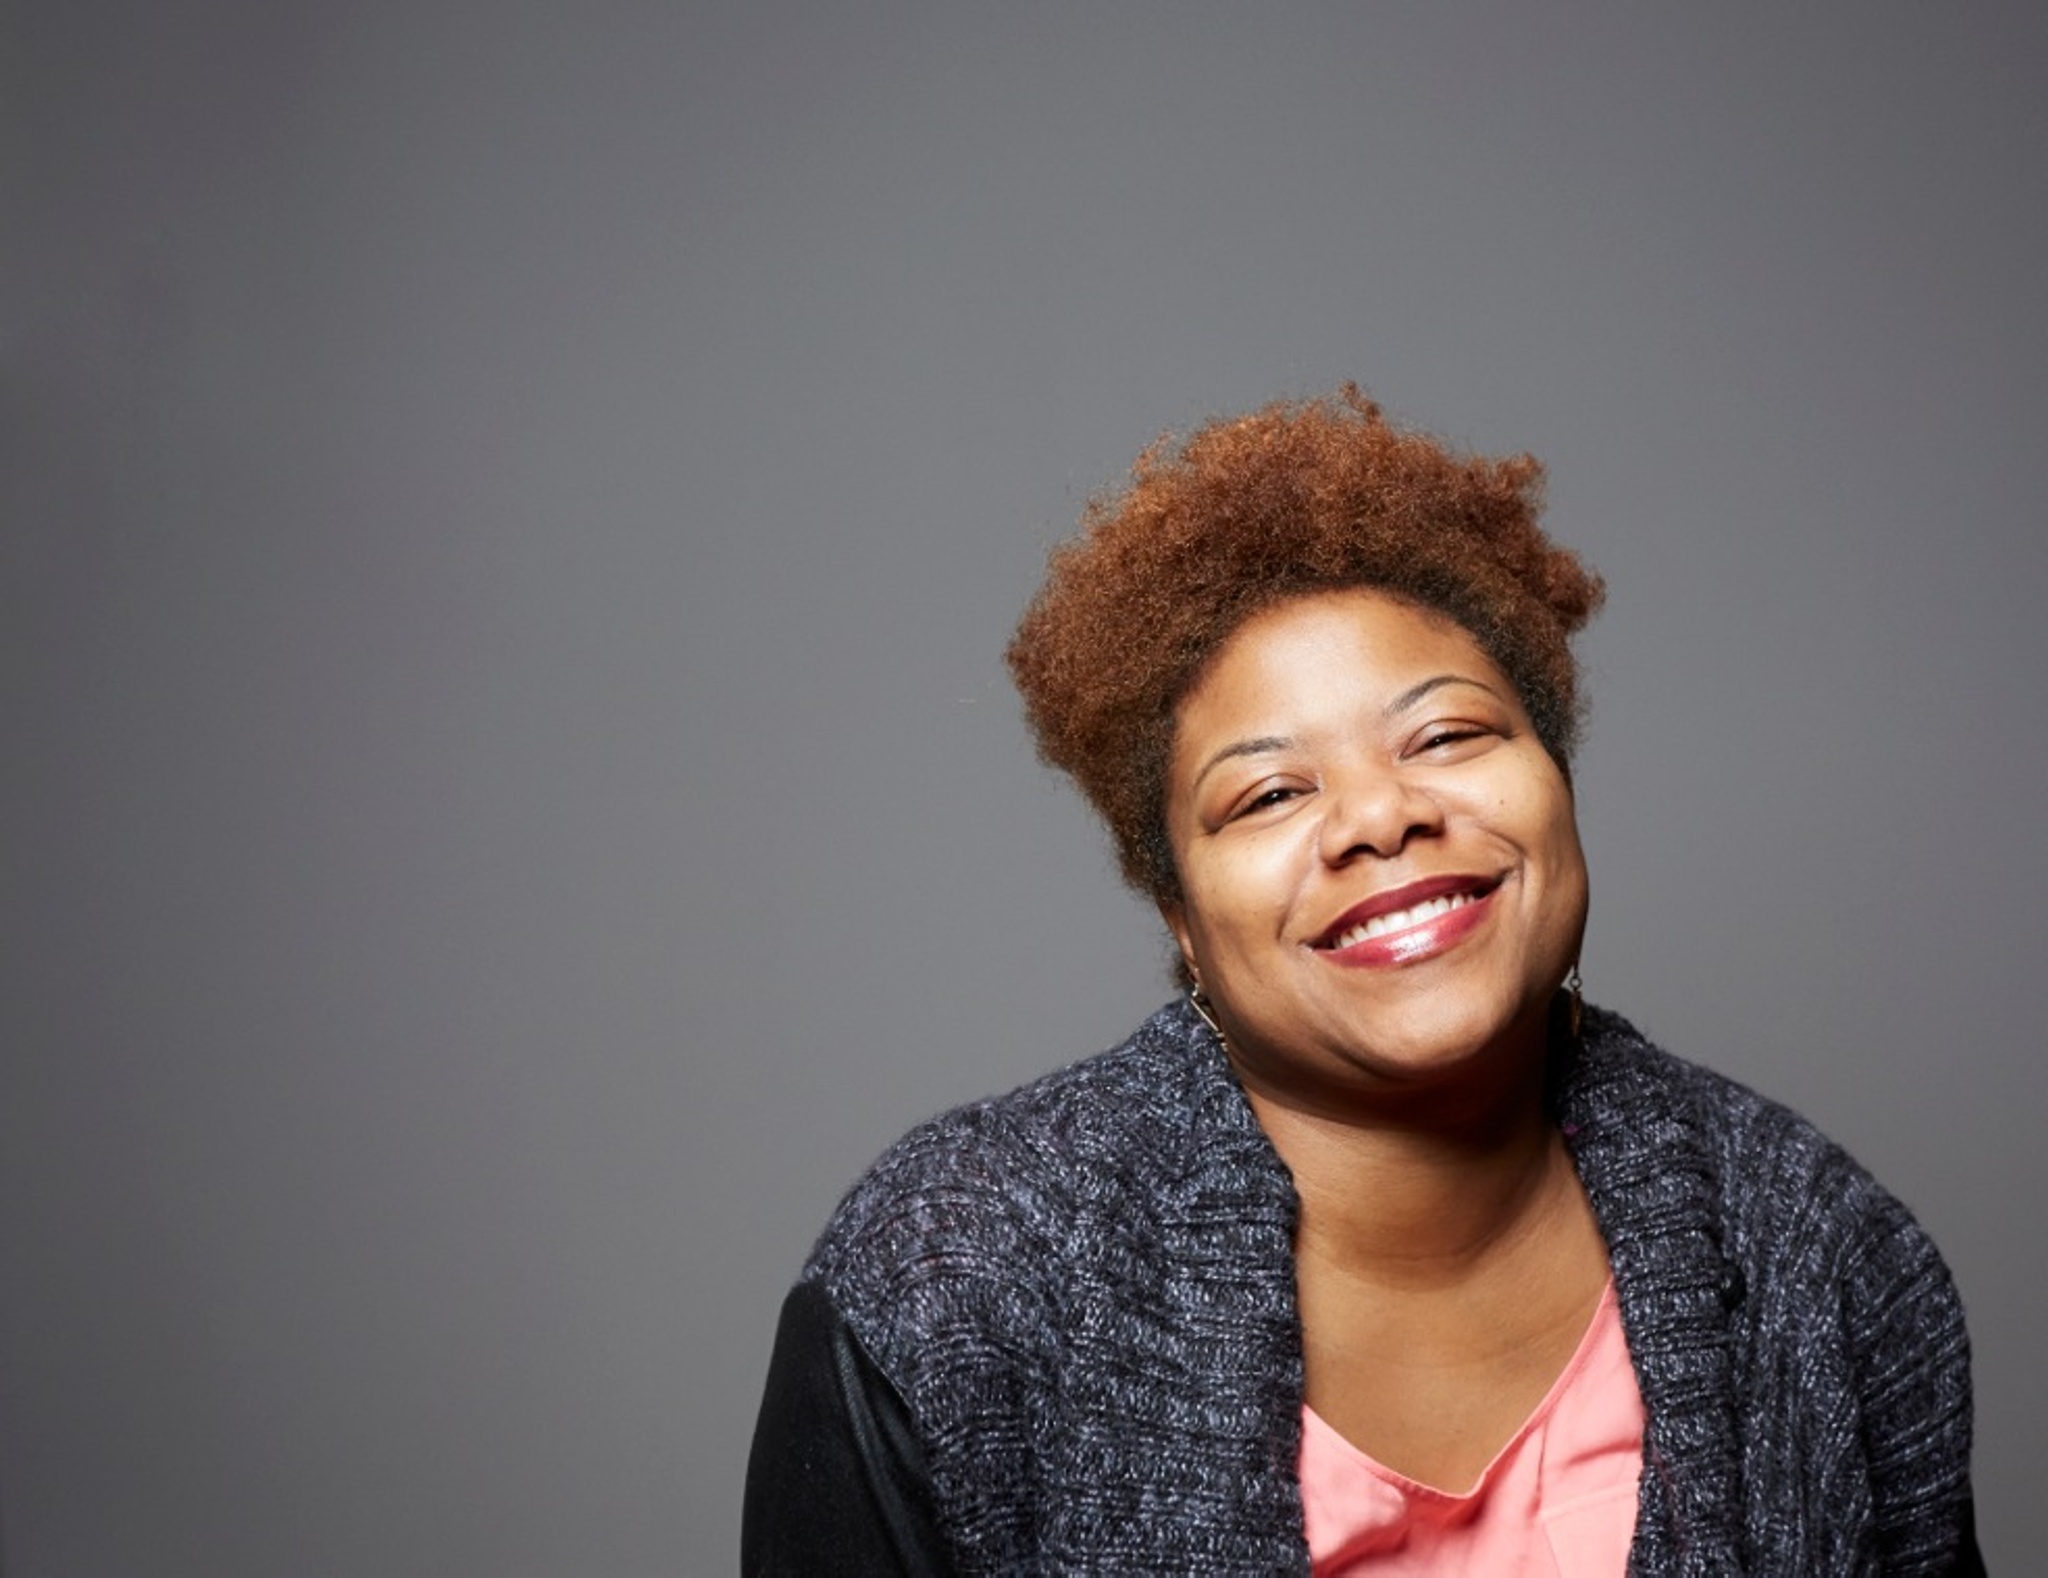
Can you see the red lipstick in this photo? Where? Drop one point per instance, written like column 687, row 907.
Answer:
column 1449, row 909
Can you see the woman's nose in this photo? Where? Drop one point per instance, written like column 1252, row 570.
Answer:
column 1376, row 813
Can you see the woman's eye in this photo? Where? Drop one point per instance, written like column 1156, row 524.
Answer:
column 1276, row 795
column 1449, row 735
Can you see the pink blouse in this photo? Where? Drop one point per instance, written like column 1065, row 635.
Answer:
column 1558, row 1499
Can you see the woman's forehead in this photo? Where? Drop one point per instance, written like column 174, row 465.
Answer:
column 1359, row 638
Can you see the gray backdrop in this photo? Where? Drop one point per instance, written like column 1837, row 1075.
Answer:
column 511, row 513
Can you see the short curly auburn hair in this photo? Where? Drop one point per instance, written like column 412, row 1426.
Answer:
column 1246, row 512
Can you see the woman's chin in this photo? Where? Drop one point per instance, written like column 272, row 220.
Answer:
column 1456, row 1056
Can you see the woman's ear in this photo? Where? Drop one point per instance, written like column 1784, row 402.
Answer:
column 1175, row 916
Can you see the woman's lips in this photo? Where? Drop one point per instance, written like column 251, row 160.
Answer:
column 1409, row 923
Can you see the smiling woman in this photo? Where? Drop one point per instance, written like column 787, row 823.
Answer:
column 1380, row 1252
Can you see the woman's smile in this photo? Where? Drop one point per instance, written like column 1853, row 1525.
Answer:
column 1409, row 923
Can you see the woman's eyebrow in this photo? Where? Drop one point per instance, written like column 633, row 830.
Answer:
column 1415, row 693
column 1258, row 746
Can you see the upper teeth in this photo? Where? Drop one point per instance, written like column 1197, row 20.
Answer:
column 1395, row 920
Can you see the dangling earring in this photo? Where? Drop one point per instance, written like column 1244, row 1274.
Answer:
column 1202, row 1007
column 1574, row 985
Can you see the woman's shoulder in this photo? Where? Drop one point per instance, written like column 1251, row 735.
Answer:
column 1761, row 1154
column 983, row 1205
column 1047, row 1134
column 1792, row 1208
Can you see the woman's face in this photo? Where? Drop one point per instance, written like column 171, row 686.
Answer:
column 1381, row 879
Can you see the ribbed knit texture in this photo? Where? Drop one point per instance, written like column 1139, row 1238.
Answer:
column 1084, row 1292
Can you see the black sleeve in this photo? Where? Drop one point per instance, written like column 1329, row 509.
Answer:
column 836, row 1482
column 1969, row 1559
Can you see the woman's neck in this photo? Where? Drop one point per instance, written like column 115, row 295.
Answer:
column 1418, row 1204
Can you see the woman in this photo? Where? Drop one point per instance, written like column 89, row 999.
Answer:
column 1380, row 1252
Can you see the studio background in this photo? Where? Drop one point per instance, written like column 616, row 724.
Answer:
column 509, row 515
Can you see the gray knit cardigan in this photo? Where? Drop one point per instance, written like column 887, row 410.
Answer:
column 1084, row 1294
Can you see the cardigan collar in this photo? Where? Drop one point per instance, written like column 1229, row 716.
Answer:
column 1654, row 1182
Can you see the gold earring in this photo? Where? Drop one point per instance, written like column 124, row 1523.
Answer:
column 1202, row 1007
column 1574, row 985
